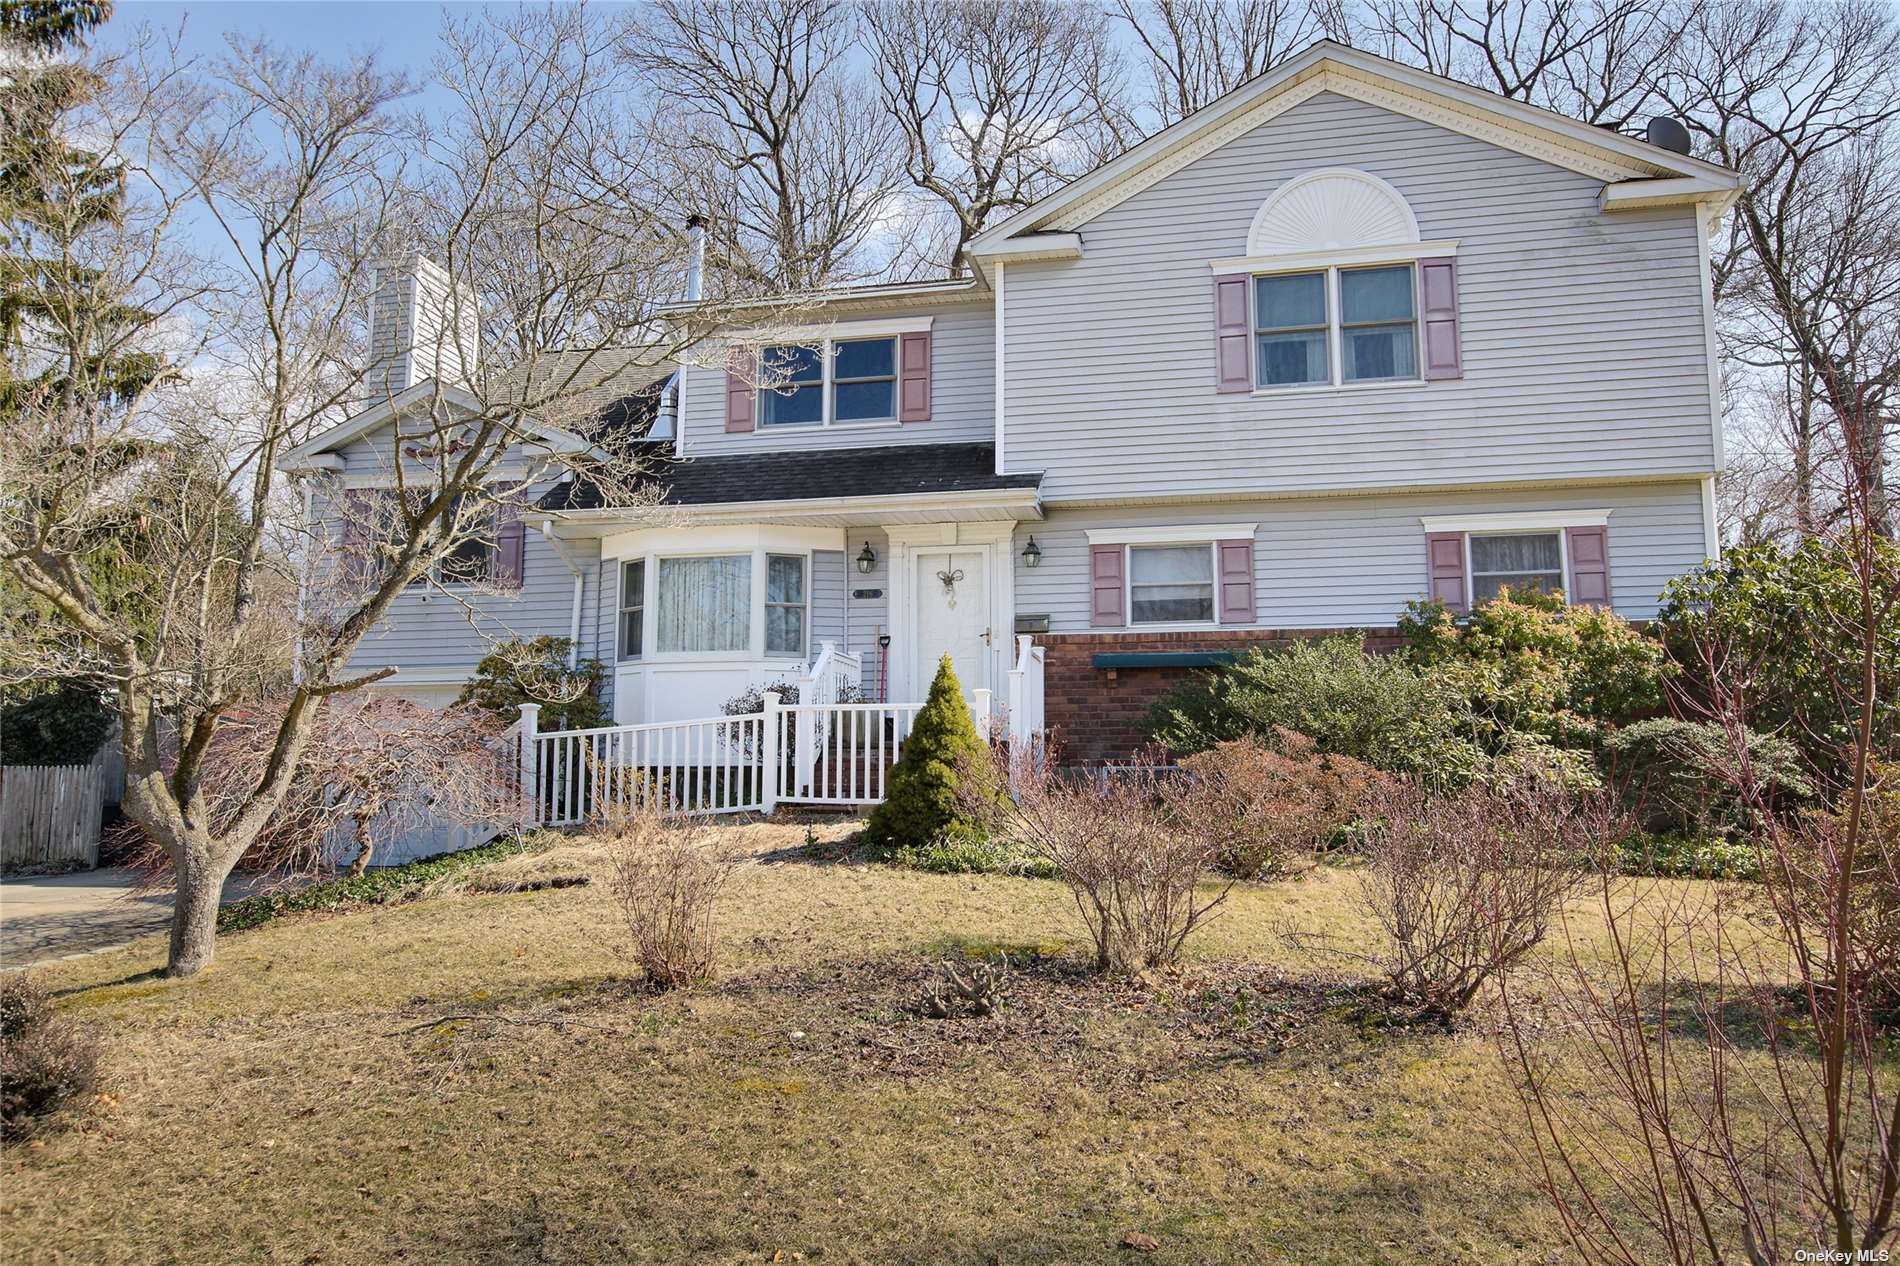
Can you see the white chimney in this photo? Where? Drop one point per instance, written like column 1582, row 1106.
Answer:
column 695, row 258
column 421, row 326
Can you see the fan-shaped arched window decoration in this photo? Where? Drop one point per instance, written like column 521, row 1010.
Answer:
column 1337, row 208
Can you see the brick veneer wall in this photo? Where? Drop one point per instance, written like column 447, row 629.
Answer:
column 1096, row 714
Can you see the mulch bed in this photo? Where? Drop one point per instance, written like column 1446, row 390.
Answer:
column 869, row 1014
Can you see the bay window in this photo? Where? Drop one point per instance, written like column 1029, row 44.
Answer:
column 785, row 604
column 1170, row 584
column 705, row 605
column 633, row 607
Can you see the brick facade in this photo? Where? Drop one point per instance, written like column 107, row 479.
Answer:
column 1097, row 714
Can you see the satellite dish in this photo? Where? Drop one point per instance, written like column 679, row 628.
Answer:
column 1667, row 133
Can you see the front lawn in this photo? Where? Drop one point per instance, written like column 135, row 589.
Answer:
column 476, row 1078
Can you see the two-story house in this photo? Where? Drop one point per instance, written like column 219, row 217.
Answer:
column 1349, row 336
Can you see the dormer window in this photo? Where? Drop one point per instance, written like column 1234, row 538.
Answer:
column 836, row 382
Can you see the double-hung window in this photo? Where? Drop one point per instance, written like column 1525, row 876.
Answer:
column 469, row 560
column 835, row 382
column 793, row 387
column 1170, row 584
column 1519, row 560
column 1336, row 325
column 633, row 607
column 785, row 604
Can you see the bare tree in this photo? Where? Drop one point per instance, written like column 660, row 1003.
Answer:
column 996, row 103
column 1737, row 1054
column 773, row 139
column 1595, row 60
column 1196, row 50
column 1804, row 101
column 151, row 533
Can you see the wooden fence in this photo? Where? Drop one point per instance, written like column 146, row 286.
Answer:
column 51, row 814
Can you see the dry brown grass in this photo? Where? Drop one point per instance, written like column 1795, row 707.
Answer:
column 304, row 1101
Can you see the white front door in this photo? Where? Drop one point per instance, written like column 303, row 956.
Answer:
column 953, row 616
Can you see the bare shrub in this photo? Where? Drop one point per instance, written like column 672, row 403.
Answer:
column 667, row 872
column 46, row 1061
column 1130, row 859
column 1270, row 804
column 1464, row 884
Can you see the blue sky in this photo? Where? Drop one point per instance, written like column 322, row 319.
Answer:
column 402, row 31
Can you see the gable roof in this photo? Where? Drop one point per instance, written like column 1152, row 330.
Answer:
column 1326, row 66
column 621, row 395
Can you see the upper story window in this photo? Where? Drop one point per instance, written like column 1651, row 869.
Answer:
column 835, row 382
column 1337, row 289
column 796, row 395
column 1336, row 325
column 470, row 560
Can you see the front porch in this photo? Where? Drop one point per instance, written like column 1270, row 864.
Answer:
column 826, row 749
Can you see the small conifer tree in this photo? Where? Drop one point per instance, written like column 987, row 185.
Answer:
column 920, row 802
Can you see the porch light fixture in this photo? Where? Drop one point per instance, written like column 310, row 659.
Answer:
column 867, row 559
column 1032, row 554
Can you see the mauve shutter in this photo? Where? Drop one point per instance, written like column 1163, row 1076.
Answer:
column 1236, row 581
column 1106, row 590
column 1438, row 308
column 1589, row 565
column 510, row 537
column 358, row 505
column 740, row 371
column 1231, row 335
column 913, row 377
column 1445, row 566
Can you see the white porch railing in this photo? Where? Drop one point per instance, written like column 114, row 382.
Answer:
column 821, row 753
column 1027, row 737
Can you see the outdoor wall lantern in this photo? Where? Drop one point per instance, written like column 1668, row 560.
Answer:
column 1032, row 554
column 867, row 559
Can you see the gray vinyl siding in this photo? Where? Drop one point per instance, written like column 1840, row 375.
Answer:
column 1347, row 562
column 962, row 396
column 827, row 600
column 866, row 618
column 426, row 628
column 1582, row 334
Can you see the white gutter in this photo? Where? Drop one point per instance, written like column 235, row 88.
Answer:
column 580, row 581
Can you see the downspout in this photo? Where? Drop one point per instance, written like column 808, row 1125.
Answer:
column 580, row 582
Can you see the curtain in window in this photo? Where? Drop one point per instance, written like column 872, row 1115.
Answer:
column 785, row 604
column 1171, row 583
column 705, row 604
column 1529, row 561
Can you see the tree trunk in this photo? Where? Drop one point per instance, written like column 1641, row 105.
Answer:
column 194, row 917
column 365, row 845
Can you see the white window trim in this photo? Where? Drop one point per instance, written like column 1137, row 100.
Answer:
column 845, row 330
column 1515, row 521
column 620, row 607
column 1563, row 558
column 1335, row 329
column 1349, row 257
column 827, row 388
column 1178, row 534
column 1212, row 546
column 715, row 540
column 804, row 652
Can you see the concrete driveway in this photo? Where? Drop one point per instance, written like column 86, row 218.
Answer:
column 44, row 917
